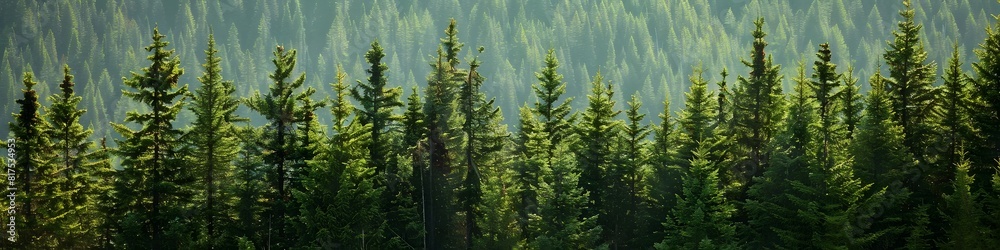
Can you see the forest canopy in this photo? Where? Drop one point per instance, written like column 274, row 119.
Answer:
column 440, row 124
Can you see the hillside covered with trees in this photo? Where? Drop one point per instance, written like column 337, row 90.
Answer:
column 708, row 124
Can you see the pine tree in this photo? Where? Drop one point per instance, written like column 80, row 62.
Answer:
column 965, row 230
column 664, row 180
column 414, row 130
column 32, row 160
column 986, row 89
column 75, row 168
column 850, row 104
column 378, row 104
column 882, row 159
column 439, row 184
column 824, row 85
column 597, row 130
column 909, row 88
column 757, row 108
column 153, row 180
column 695, row 122
column 955, row 125
column 559, row 221
column 339, row 199
column 279, row 142
column 702, row 217
column 215, row 146
column 626, row 200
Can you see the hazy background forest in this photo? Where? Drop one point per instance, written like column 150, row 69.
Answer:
column 649, row 47
column 446, row 124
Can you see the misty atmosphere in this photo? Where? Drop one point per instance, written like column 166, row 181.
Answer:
column 500, row 124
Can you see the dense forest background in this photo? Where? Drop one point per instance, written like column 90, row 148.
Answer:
column 648, row 47
column 711, row 124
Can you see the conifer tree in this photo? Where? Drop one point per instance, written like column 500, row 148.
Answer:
column 75, row 168
column 339, row 199
column 153, row 180
column 107, row 202
column 378, row 102
column 695, row 122
column 850, row 104
column 882, row 159
column 955, row 126
column 964, row 229
column 910, row 84
column 825, row 87
column 626, row 200
column 986, row 89
column 250, row 188
column 702, row 217
column 215, row 146
column 757, row 108
column 559, row 221
column 279, row 142
column 664, row 175
column 439, row 184
column 32, row 159
column 597, row 130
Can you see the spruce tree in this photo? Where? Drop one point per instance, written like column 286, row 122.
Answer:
column 32, row 159
column 882, row 160
column 757, row 108
column 559, row 221
column 664, row 175
column 439, row 184
column 910, row 84
column 597, row 129
column 76, row 168
column 695, row 122
column 986, row 89
column 378, row 102
column 250, row 188
column 626, row 213
column 825, row 87
column 702, row 218
column 851, row 104
column 965, row 229
column 339, row 199
column 955, row 124
column 279, row 142
column 215, row 146
column 153, row 180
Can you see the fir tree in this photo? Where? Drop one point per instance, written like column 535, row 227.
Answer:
column 153, row 180
column 702, row 217
column 964, row 229
column 664, row 180
column 559, row 221
column 882, row 159
column 75, row 168
column 757, row 108
column 909, row 88
column 597, row 129
column 824, row 86
column 32, row 157
column 214, row 146
column 850, row 104
column 339, row 201
column 279, row 142
column 695, row 122
column 626, row 200
column 378, row 103
column 986, row 89
column 955, row 126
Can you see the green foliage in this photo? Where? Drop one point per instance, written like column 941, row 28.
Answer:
column 378, row 104
column 154, row 185
column 910, row 86
column 757, row 108
column 597, row 130
column 963, row 214
column 986, row 94
column 702, row 217
column 215, row 146
column 33, row 163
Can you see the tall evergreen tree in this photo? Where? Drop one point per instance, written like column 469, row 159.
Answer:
column 339, row 199
column 378, row 102
column 153, row 180
column 910, row 84
column 559, row 221
column 695, row 122
column 279, row 142
column 75, row 169
column 440, row 182
column 851, row 104
column 625, row 198
column 825, row 88
column 882, row 159
column 702, row 218
column 757, row 108
column 664, row 175
column 955, row 124
column 964, row 229
column 986, row 89
column 215, row 146
column 597, row 130
column 33, row 154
